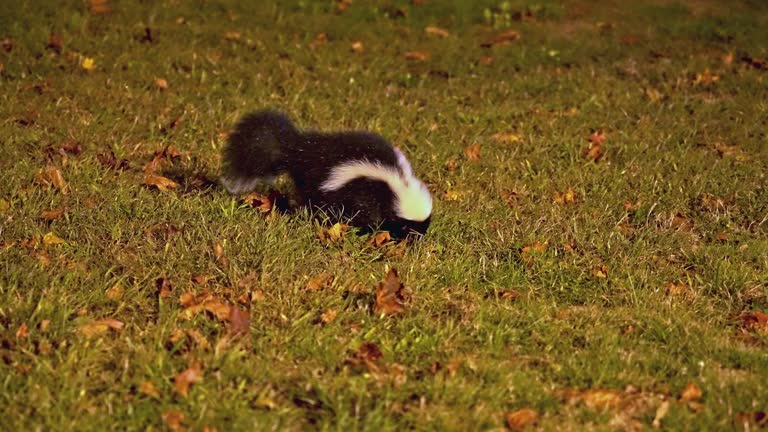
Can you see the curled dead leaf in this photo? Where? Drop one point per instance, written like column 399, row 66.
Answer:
column 51, row 215
column 329, row 316
column 100, row 327
column 500, row 38
column 161, row 83
column 522, row 418
column 52, row 175
column 691, row 392
column 357, row 46
column 319, row 282
column 147, row 388
column 381, row 238
column 436, row 31
column 174, row 419
column 755, row 320
column 52, row 239
column 472, row 152
column 389, row 295
column 23, row 331
column 417, row 55
column 115, row 292
column 239, row 321
column 594, row 151
column 568, row 197
column 259, row 201
column 183, row 380
column 162, row 183
column 334, row 233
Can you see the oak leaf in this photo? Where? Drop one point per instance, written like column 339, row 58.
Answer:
column 389, row 295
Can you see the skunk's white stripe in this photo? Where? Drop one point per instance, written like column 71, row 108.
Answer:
column 413, row 201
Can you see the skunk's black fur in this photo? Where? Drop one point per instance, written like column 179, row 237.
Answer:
column 358, row 175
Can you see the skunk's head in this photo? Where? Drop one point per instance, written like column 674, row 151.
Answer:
column 401, row 201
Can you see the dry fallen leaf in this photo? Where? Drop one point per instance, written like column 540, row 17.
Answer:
column 239, row 321
column 88, row 64
column 329, row 316
column 503, row 37
column 164, row 287
column 358, row 47
column 486, row 61
column 733, row 151
column 690, row 393
column 115, row 292
column 601, row 399
column 334, row 233
column 319, row 40
column 705, row 78
column 600, row 272
column 417, row 55
column 98, row 7
column 161, row 83
column 506, row 137
column 472, row 152
column 109, row 161
column 52, row 239
column 319, row 282
column 147, row 388
column 200, row 279
column 232, row 35
column 381, row 238
column 51, row 215
column 367, row 355
column 452, row 165
column 661, row 412
column 531, row 250
column 259, row 201
column 191, row 375
column 389, row 295
column 100, row 327
column 52, row 175
column 565, row 198
column 163, row 183
column 23, row 331
column 436, row 31
column 218, row 253
column 594, row 151
column 174, row 419
column 520, row 419
column 755, row 320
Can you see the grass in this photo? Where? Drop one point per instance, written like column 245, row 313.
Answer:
column 638, row 288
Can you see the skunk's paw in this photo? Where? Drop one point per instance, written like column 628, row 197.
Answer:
column 240, row 185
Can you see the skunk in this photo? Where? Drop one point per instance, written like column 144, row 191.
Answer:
column 356, row 175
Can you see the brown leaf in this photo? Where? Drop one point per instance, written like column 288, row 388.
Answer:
column 472, row 152
column 357, row 46
column 109, row 161
column 417, row 55
column 319, row 40
column 600, row 272
column 319, row 282
column 51, row 215
column 53, row 176
column 389, row 295
column 329, row 316
column 200, row 279
column 98, row 7
column 334, row 233
column 436, row 31
column 755, row 320
column 509, row 294
column 191, row 375
column 163, row 183
column 486, row 61
column 55, row 42
column 258, row 201
column 7, row 44
column 529, row 252
column 705, row 78
column 506, row 137
column 452, row 165
column 381, row 239
column 164, row 287
column 23, row 331
column 681, row 223
column 367, row 355
column 147, row 388
column 568, row 197
column 174, row 419
column 690, row 393
column 115, row 292
column 594, row 151
column 342, row 5
column 218, row 253
column 503, row 37
column 601, row 399
column 161, row 84
column 155, row 165
column 100, row 327
column 520, row 419
column 732, row 151
column 239, row 321
column 232, row 35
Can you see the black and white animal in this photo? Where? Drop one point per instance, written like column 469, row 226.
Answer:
column 358, row 175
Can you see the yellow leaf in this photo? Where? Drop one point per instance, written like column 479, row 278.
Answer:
column 52, row 239
column 88, row 64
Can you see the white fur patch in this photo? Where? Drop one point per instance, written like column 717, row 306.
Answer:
column 413, row 201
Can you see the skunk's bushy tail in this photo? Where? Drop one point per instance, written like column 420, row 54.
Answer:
column 258, row 150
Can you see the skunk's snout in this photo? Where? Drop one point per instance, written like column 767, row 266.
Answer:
column 403, row 228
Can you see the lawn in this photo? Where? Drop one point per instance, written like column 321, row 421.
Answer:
column 598, row 257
